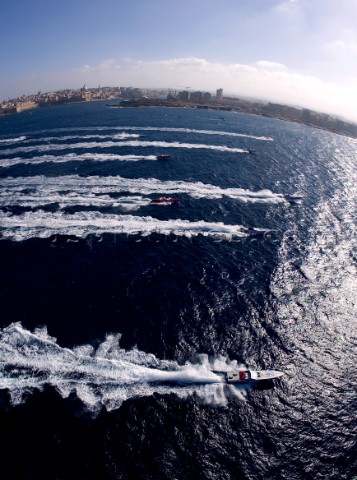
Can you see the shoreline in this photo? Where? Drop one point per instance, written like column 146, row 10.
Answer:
column 308, row 118
column 303, row 116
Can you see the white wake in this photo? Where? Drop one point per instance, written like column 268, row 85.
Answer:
column 40, row 224
column 138, row 129
column 74, row 157
column 48, row 147
column 71, row 190
column 105, row 376
column 9, row 141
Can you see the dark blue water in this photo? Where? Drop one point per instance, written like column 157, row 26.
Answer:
column 116, row 311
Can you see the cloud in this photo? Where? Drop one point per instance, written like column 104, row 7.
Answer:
column 289, row 7
column 106, row 65
column 264, row 79
column 342, row 46
column 265, row 64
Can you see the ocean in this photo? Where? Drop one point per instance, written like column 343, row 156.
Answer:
column 118, row 312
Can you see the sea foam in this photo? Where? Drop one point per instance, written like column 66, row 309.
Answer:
column 71, row 190
column 106, row 376
column 41, row 224
column 49, row 147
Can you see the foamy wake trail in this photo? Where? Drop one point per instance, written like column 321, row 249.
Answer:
column 117, row 136
column 106, row 376
column 126, row 143
column 64, row 138
column 151, row 129
column 201, row 132
column 71, row 190
column 9, row 141
column 40, row 224
column 73, row 157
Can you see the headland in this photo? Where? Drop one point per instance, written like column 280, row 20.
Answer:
column 136, row 97
column 287, row 113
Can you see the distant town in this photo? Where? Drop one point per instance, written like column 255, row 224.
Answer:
column 135, row 97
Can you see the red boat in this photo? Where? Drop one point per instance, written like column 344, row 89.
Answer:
column 164, row 200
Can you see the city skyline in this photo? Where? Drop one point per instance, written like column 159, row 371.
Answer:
column 297, row 52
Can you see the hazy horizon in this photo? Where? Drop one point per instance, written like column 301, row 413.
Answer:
column 296, row 52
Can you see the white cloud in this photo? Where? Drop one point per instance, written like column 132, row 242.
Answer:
column 265, row 64
column 106, row 65
column 265, row 79
column 289, row 7
column 344, row 47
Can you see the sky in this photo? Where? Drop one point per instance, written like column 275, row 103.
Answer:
column 298, row 52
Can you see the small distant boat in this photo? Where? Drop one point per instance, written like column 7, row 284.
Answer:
column 164, row 200
column 163, row 157
column 293, row 196
column 251, row 151
column 255, row 231
column 249, row 376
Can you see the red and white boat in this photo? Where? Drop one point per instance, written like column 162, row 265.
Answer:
column 246, row 376
column 164, row 200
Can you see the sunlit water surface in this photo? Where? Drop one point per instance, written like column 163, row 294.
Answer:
column 117, row 314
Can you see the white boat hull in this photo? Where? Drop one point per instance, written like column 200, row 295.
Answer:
column 245, row 376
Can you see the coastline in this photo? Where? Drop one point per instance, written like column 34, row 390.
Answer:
column 301, row 116
column 286, row 113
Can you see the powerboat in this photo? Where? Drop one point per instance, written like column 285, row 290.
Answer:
column 293, row 197
column 163, row 157
column 164, row 200
column 250, row 376
column 255, row 230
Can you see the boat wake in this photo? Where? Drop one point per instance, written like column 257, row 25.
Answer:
column 9, row 141
column 122, row 133
column 106, row 376
column 73, row 157
column 41, row 224
column 181, row 130
column 71, row 190
column 48, row 147
column 64, row 138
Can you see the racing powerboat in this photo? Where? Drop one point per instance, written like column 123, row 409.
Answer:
column 293, row 197
column 164, row 200
column 255, row 230
column 249, row 376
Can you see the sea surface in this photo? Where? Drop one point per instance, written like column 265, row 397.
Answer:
column 118, row 313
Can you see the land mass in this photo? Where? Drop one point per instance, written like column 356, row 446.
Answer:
column 135, row 97
column 302, row 116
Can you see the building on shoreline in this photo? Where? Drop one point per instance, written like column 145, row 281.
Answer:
column 43, row 99
column 193, row 97
column 219, row 94
column 27, row 105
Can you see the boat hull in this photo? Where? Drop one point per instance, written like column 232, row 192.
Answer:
column 248, row 376
column 162, row 200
